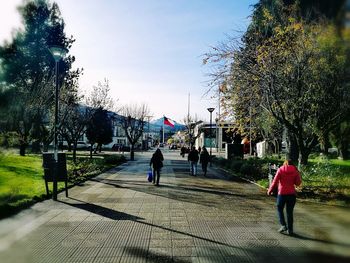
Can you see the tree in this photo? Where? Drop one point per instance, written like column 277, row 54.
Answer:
column 100, row 97
column 296, row 61
column 99, row 129
column 191, row 133
column 133, row 122
column 74, row 126
column 292, row 70
column 27, row 67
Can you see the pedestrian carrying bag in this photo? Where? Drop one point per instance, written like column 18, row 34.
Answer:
column 150, row 176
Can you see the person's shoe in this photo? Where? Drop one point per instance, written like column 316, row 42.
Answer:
column 282, row 229
column 290, row 233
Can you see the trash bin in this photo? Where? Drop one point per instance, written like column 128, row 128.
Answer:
column 49, row 166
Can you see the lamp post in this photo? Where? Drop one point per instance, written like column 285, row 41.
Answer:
column 149, row 131
column 58, row 53
column 211, row 111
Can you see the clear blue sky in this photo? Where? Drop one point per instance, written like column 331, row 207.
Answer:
column 150, row 50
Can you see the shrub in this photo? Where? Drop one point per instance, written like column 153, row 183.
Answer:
column 114, row 159
column 219, row 161
column 236, row 165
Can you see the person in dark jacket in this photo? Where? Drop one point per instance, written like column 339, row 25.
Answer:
column 286, row 178
column 204, row 160
column 193, row 158
column 157, row 164
column 183, row 151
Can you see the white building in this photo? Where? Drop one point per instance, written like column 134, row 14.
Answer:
column 214, row 136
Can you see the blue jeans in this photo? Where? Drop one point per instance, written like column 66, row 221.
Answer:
column 289, row 202
column 193, row 168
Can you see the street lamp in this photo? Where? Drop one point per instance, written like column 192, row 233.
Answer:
column 149, row 131
column 58, row 53
column 211, row 111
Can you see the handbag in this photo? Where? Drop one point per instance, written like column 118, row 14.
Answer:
column 150, row 176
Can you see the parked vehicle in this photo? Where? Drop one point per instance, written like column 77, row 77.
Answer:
column 82, row 145
column 120, row 147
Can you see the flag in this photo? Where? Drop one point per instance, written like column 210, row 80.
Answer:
column 169, row 122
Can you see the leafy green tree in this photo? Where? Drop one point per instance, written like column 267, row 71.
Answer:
column 293, row 70
column 27, row 67
column 99, row 129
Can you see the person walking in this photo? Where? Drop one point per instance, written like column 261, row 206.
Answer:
column 193, row 158
column 157, row 164
column 204, row 160
column 183, row 151
column 286, row 178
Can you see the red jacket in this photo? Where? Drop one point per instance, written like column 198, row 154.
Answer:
column 286, row 178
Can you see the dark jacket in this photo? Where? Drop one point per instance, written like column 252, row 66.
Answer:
column 193, row 156
column 204, row 157
column 157, row 160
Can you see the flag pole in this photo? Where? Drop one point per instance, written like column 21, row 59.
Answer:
column 163, row 128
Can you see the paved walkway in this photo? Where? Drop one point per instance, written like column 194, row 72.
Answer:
column 120, row 217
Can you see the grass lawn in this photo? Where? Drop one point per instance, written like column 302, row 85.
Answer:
column 326, row 180
column 22, row 183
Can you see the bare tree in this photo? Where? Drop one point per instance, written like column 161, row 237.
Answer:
column 191, row 123
column 100, row 98
column 133, row 122
column 74, row 126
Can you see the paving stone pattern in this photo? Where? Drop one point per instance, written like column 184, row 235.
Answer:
column 120, row 217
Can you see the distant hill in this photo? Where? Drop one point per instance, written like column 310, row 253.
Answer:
column 158, row 124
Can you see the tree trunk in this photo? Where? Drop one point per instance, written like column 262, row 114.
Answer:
column 132, row 153
column 22, row 149
column 46, row 147
column 303, row 155
column 293, row 151
column 91, row 148
column 75, row 154
column 343, row 152
column 325, row 144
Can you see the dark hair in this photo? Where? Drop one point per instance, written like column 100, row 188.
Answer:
column 158, row 151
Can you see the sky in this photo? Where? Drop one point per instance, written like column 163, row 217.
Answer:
column 151, row 51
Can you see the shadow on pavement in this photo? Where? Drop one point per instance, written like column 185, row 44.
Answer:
column 102, row 211
column 151, row 256
column 320, row 240
column 115, row 215
column 184, row 194
column 117, row 183
column 319, row 257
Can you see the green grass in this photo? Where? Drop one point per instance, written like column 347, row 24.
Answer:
column 22, row 182
column 326, row 180
column 20, row 175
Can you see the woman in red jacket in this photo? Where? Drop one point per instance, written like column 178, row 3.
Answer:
column 286, row 178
